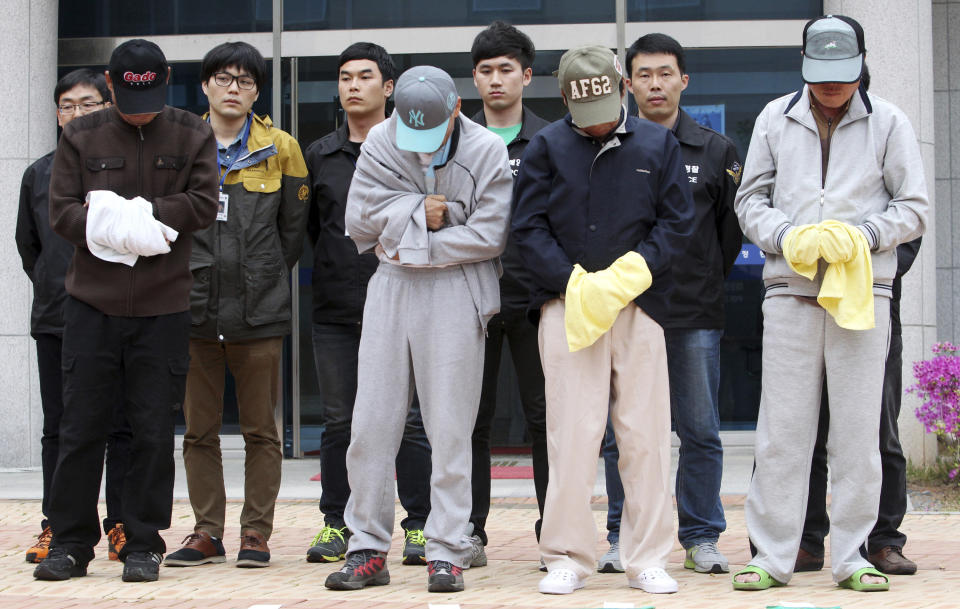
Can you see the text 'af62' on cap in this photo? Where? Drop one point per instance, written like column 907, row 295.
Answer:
column 138, row 71
column 590, row 77
column 832, row 50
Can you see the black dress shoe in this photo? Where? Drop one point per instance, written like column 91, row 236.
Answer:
column 807, row 562
column 890, row 560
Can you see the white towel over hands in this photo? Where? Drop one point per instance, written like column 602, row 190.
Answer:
column 121, row 230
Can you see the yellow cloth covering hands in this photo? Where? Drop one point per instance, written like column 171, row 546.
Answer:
column 847, row 288
column 593, row 300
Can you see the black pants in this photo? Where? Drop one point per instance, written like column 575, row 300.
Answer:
column 335, row 348
column 143, row 362
column 49, row 347
column 893, row 490
column 525, row 352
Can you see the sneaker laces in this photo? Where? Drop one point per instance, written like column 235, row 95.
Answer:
column 44, row 538
column 326, row 535
column 442, row 567
column 415, row 536
column 116, row 536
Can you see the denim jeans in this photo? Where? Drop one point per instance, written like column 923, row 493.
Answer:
column 335, row 348
column 693, row 359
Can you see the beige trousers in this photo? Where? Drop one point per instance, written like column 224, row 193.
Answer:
column 625, row 373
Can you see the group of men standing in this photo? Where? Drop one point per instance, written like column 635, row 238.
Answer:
column 436, row 238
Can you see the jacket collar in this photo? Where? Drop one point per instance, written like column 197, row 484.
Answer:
column 688, row 131
column 799, row 108
column 529, row 125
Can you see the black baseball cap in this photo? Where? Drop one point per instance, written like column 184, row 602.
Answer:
column 138, row 71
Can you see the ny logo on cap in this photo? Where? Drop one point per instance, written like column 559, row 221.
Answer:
column 416, row 118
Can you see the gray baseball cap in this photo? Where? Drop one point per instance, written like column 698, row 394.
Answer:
column 590, row 77
column 425, row 98
column 832, row 50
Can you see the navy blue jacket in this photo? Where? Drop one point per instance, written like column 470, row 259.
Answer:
column 577, row 200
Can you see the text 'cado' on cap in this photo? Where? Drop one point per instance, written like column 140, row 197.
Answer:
column 138, row 72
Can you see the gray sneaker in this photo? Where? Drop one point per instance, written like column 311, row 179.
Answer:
column 610, row 562
column 706, row 558
column 478, row 556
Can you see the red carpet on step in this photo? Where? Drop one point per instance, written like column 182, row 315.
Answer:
column 497, row 472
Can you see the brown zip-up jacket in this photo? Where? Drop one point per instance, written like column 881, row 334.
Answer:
column 171, row 162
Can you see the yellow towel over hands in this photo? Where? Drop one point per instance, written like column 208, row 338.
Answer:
column 847, row 288
column 593, row 300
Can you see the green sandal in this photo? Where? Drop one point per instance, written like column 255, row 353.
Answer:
column 765, row 581
column 853, row 582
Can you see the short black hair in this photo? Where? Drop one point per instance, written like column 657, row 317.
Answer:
column 654, row 44
column 83, row 76
column 502, row 39
column 240, row 54
column 373, row 52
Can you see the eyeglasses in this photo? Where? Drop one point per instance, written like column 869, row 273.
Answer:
column 225, row 79
column 89, row 106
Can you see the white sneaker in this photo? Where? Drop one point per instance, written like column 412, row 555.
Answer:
column 655, row 581
column 560, row 581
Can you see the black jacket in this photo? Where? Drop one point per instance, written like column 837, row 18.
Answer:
column 713, row 170
column 340, row 274
column 515, row 281
column 577, row 201
column 45, row 255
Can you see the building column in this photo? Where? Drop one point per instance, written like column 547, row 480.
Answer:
column 899, row 41
column 28, row 58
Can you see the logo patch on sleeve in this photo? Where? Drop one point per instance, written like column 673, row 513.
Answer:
column 735, row 171
column 303, row 193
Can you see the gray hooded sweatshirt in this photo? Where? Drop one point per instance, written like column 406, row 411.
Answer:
column 385, row 206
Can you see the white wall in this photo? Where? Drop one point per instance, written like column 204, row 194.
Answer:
column 28, row 69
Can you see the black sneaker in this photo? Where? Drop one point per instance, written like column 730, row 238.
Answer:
column 363, row 568
column 330, row 544
column 142, row 567
column 414, row 548
column 58, row 566
column 443, row 576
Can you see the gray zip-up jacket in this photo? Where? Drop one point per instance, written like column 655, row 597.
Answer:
column 874, row 181
column 385, row 206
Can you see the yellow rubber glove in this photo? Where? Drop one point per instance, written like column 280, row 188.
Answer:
column 847, row 289
column 801, row 249
column 593, row 300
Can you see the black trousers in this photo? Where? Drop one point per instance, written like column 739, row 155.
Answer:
column 49, row 348
column 893, row 490
column 143, row 362
column 525, row 352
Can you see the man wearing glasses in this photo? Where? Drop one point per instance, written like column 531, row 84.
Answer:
column 240, row 306
column 45, row 257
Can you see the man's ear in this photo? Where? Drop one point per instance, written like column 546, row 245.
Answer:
column 563, row 96
column 388, row 88
column 169, row 72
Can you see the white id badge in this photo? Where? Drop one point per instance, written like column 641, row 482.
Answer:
column 222, row 207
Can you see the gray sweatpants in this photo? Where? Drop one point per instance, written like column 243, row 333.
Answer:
column 420, row 329
column 801, row 343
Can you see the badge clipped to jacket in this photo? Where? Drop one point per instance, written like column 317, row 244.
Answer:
column 223, row 207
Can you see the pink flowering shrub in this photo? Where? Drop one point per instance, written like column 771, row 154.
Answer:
column 938, row 386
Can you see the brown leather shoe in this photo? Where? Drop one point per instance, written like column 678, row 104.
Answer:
column 890, row 560
column 198, row 548
column 253, row 550
column 807, row 562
